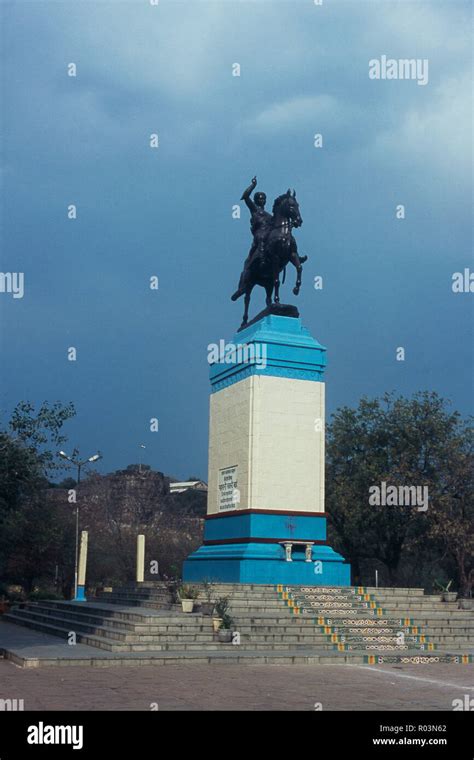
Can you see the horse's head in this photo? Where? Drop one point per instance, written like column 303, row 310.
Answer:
column 287, row 206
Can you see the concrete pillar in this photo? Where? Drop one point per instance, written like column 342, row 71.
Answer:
column 81, row 580
column 140, row 558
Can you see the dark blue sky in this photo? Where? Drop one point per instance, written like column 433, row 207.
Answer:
column 167, row 69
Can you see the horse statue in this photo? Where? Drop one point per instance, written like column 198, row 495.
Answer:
column 273, row 254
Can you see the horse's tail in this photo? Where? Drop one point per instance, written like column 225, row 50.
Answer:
column 284, row 275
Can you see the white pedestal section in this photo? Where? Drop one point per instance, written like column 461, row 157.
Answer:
column 271, row 430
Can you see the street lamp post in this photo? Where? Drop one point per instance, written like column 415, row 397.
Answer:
column 79, row 464
column 141, row 446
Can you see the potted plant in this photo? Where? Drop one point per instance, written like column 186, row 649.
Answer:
column 221, row 606
column 207, row 607
column 224, row 634
column 447, row 595
column 466, row 603
column 187, row 595
column 222, row 621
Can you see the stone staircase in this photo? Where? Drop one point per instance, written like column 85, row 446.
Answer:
column 151, row 594
column 352, row 619
column 278, row 623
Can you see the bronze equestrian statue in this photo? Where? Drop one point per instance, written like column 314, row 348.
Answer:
column 273, row 246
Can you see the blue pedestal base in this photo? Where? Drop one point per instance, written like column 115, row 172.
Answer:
column 81, row 594
column 246, row 548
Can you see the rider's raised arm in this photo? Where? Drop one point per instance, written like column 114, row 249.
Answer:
column 246, row 195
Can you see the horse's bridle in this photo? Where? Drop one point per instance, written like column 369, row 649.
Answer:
column 286, row 226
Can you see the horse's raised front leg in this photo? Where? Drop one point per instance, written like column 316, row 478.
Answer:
column 276, row 286
column 296, row 261
column 245, row 318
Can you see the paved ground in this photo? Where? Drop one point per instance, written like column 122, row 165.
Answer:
column 234, row 687
column 221, row 686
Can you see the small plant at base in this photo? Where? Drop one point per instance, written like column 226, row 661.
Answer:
column 173, row 589
column 227, row 622
column 188, row 592
column 174, row 570
column 444, row 588
column 208, row 588
column 221, row 610
column 221, row 606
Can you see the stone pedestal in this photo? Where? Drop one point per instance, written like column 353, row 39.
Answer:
column 265, row 516
column 81, row 579
column 140, row 563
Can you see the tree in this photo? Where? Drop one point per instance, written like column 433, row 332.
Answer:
column 34, row 535
column 40, row 432
column 452, row 516
column 41, row 538
column 20, row 473
column 402, row 442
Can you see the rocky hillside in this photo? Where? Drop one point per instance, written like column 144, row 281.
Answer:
column 115, row 507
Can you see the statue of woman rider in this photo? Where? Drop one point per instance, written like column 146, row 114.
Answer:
column 260, row 223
